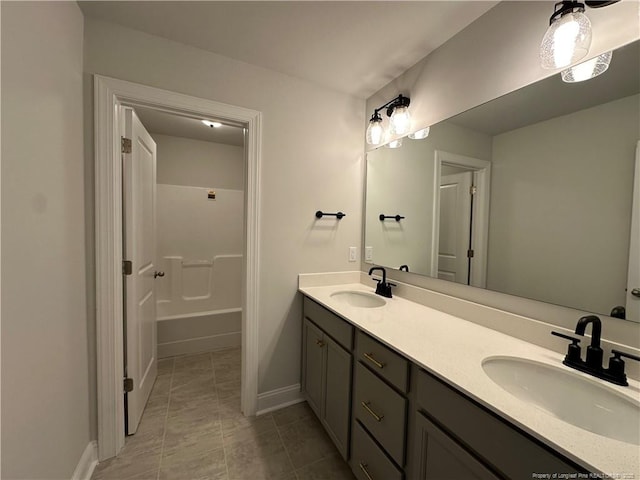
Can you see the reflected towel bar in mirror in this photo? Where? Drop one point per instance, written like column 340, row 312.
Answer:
column 397, row 218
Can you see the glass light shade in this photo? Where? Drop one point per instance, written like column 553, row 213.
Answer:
column 397, row 143
column 400, row 120
column 587, row 70
column 420, row 134
column 375, row 132
column 566, row 41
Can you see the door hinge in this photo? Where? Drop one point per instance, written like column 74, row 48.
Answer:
column 127, row 267
column 126, row 144
column 473, row 190
column 128, row 385
column 469, row 253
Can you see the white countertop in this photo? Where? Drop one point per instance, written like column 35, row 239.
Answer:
column 453, row 349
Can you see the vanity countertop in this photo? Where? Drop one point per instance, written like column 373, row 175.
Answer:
column 453, row 349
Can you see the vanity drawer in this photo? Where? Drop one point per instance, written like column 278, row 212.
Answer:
column 382, row 410
column 509, row 450
column 368, row 461
column 391, row 366
column 337, row 328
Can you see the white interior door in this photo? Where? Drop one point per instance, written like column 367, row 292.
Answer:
column 633, row 278
column 455, row 227
column 139, row 199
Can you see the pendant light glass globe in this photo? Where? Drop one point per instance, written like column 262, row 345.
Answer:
column 419, row 134
column 397, row 143
column 566, row 41
column 587, row 70
column 375, row 132
column 400, row 120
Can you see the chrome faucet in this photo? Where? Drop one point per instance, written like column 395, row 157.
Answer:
column 383, row 288
column 593, row 361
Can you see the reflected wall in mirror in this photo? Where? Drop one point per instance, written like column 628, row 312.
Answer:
column 551, row 220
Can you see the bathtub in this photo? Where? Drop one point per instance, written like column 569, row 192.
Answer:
column 199, row 304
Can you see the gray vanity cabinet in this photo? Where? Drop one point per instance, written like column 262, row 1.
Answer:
column 326, row 371
column 453, row 433
column 380, row 408
column 440, row 457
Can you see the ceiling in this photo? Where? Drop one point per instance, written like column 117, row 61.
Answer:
column 163, row 123
column 356, row 47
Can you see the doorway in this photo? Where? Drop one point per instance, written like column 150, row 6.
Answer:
column 109, row 95
column 461, row 193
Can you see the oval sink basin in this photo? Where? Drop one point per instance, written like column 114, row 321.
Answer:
column 359, row 299
column 577, row 400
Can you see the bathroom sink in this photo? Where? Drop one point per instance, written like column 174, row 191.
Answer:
column 359, row 299
column 580, row 401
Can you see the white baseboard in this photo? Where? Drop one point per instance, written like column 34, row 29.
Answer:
column 279, row 398
column 197, row 345
column 87, row 463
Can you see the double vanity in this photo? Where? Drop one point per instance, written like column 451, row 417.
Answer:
column 407, row 391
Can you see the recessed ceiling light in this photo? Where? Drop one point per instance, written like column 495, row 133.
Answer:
column 212, row 124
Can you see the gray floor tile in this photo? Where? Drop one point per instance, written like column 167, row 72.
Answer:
column 306, row 441
column 193, row 429
column 332, row 467
column 187, row 465
column 259, row 457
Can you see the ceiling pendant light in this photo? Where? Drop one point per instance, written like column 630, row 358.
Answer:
column 568, row 38
column 375, row 132
column 587, row 70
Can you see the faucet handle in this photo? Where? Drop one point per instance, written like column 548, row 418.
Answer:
column 616, row 366
column 573, row 353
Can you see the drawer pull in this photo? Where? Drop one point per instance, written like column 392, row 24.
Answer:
column 320, row 343
column 373, row 414
column 363, row 467
column 369, row 356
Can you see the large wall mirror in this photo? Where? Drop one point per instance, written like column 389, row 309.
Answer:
column 530, row 194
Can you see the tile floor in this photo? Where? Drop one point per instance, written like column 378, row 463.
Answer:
column 192, row 429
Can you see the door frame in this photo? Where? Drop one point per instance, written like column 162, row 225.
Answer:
column 480, row 233
column 109, row 93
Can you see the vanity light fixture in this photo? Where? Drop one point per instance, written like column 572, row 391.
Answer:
column 568, row 38
column 397, row 143
column 419, row 134
column 212, row 124
column 400, row 120
column 587, row 70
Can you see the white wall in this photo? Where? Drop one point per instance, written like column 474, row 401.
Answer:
column 579, row 190
column 185, row 161
column 400, row 181
column 45, row 394
column 300, row 173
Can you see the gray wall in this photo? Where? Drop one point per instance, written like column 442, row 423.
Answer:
column 400, row 181
column 195, row 163
column 579, row 191
column 299, row 173
column 45, row 392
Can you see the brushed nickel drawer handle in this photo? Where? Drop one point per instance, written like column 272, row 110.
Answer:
column 320, row 343
column 369, row 356
column 373, row 414
column 363, row 467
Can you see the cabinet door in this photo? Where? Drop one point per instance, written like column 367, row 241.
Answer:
column 313, row 365
column 441, row 458
column 336, row 417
